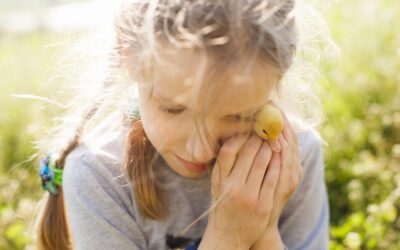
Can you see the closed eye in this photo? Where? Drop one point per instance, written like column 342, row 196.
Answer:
column 169, row 110
column 239, row 118
column 231, row 118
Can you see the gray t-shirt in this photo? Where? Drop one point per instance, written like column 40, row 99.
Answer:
column 102, row 211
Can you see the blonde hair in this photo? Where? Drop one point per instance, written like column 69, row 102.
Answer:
column 266, row 30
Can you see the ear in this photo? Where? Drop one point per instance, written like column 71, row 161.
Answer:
column 126, row 55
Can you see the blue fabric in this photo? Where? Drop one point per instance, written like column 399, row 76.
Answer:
column 194, row 245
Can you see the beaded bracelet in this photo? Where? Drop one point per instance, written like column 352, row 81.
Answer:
column 50, row 174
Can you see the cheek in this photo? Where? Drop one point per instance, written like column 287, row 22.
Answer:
column 227, row 130
column 222, row 131
column 162, row 130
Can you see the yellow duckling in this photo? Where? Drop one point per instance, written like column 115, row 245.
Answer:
column 268, row 124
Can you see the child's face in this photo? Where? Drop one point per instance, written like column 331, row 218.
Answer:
column 227, row 105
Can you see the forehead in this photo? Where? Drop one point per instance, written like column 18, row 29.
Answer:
column 199, row 81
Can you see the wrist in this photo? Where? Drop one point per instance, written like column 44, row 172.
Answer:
column 217, row 239
column 271, row 239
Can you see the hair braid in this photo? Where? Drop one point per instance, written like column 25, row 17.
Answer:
column 93, row 108
column 54, row 231
column 140, row 157
column 53, row 228
column 76, row 139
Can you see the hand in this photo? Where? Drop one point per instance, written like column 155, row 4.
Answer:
column 241, row 194
column 291, row 173
column 290, row 177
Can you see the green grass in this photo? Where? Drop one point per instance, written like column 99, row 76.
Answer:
column 26, row 62
column 363, row 126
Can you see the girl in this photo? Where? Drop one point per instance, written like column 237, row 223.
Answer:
column 179, row 167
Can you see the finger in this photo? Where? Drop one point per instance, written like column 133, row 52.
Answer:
column 291, row 153
column 259, row 168
column 290, row 172
column 245, row 158
column 288, row 130
column 285, row 155
column 227, row 156
column 275, row 146
column 271, row 179
column 287, row 169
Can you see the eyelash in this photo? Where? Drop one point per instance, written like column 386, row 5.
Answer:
column 171, row 110
column 236, row 118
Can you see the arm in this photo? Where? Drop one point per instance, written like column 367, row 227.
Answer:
column 304, row 222
column 97, row 206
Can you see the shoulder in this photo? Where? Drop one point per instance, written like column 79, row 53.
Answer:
column 81, row 167
column 310, row 146
column 312, row 161
column 95, row 169
column 311, row 190
column 304, row 222
column 94, row 179
column 99, row 199
column 100, row 155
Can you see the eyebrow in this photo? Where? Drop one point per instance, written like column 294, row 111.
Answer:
column 180, row 105
column 169, row 101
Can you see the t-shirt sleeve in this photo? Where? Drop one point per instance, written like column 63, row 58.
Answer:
column 304, row 223
column 97, row 206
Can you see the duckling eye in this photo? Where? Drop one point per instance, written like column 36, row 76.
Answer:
column 265, row 132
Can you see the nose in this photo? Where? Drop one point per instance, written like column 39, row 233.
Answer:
column 200, row 147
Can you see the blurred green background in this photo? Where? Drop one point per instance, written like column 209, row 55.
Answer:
column 361, row 102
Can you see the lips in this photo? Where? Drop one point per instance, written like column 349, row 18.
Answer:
column 192, row 166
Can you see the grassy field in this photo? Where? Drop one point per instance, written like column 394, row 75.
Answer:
column 362, row 127
column 25, row 66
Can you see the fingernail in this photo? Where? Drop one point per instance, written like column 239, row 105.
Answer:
column 276, row 156
column 275, row 146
